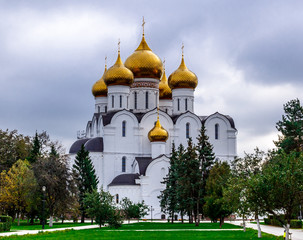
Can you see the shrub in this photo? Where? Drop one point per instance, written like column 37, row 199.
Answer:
column 5, row 223
column 295, row 223
column 267, row 221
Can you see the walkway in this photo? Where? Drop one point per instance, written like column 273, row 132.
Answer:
column 297, row 234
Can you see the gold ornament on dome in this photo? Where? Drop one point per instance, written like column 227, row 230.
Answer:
column 164, row 89
column 182, row 77
column 143, row 62
column 158, row 133
column 99, row 89
column 118, row 74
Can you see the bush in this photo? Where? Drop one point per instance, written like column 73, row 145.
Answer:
column 295, row 223
column 5, row 223
column 267, row 221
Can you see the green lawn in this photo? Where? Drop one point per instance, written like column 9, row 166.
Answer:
column 129, row 232
column 25, row 226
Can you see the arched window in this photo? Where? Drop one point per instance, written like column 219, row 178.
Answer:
column 117, row 198
column 113, row 101
column 136, row 100
column 105, row 109
column 185, row 104
column 187, row 130
column 146, row 100
column 123, row 128
column 178, row 104
column 123, row 164
column 98, row 109
column 217, row 131
column 120, row 101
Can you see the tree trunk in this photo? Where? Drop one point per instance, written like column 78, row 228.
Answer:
column 50, row 221
column 244, row 226
column 221, row 221
column 82, row 217
column 287, row 231
column 197, row 213
column 18, row 216
column 259, row 227
column 172, row 217
column 182, row 219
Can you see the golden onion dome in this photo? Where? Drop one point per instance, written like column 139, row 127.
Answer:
column 158, row 133
column 118, row 74
column 182, row 77
column 144, row 63
column 164, row 89
column 99, row 88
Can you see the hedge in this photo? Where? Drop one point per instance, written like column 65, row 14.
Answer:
column 274, row 222
column 5, row 223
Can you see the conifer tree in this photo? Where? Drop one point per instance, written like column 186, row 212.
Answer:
column 206, row 158
column 190, row 178
column 85, row 177
column 35, row 152
column 168, row 197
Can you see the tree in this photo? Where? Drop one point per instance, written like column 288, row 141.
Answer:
column 241, row 190
column 189, row 179
column 168, row 197
column 291, row 127
column 206, row 158
column 85, row 176
column 281, row 185
column 215, row 206
column 13, row 146
column 133, row 210
column 35, row 152
column 53, row 173
column 100, row 206
column 17, row 187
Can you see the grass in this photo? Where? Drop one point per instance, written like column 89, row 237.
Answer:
column 37, row 226
column 128, row 232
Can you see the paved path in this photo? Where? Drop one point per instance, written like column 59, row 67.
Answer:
column 297, row 234
column 23, row 232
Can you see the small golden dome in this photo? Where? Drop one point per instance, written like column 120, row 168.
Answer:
column 99, row 88
column 182, row 77
column 144, row 63
column 164, row 89
column 118, row 74
column 158, row 133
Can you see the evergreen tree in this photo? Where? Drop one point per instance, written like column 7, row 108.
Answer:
column 85, row 177
column 206, row 158
column 190, row 178
column 35, row 152
column 291, row 127
column 168, row 197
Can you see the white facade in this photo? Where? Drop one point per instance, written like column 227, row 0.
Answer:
column 126, row 162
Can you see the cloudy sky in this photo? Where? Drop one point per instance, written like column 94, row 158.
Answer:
column 248, row 56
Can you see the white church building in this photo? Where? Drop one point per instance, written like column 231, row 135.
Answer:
column 130, row 140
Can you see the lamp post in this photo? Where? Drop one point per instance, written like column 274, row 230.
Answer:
column 151, row 213
column 43, row 206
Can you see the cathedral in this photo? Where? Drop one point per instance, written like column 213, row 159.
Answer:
column 138, row 114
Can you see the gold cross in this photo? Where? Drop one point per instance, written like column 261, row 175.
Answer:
column 105, row 61
column 119, row 45
column 164, row 64
column 143, row 23
column 182, row 49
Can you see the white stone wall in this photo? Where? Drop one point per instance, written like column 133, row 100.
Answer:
column 182, row 95
column 114, row 93
column 100, row 104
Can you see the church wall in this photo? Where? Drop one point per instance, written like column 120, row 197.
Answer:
column 130, row 191
column 225, row 144
column 180, row 129
column 151, row 185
